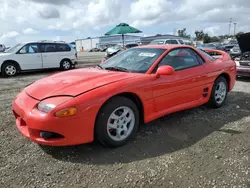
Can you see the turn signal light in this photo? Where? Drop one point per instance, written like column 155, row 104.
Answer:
column 66, row 112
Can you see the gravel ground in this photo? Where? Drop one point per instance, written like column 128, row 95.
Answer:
column 200, row 147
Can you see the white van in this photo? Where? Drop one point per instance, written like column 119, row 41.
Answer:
column 170, row 41
column 35, row 56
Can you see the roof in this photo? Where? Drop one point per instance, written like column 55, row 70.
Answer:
column 169, row 46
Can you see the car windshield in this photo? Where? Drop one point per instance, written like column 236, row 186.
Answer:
column 14, row 48
column 137, row 60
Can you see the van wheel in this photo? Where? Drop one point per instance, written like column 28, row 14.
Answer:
column 9, row 69
column 66, row 64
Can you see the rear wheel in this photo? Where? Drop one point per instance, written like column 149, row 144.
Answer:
column 219, row 92
column 117, row 122
column 66, row 64
column 9, row 69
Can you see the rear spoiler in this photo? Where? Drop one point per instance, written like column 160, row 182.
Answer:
column 218, row 54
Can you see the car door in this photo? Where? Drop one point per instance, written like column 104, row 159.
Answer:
column 29, row 57
column 50, row 55
column 185, row 85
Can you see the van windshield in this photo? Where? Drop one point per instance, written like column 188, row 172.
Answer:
column 14, row 48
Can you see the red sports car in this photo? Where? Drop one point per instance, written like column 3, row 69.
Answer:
column 107, row 102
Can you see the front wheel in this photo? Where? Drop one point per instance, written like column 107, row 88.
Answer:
column 66, row 64
column 9, row 69
column 219, row 93
column 117, row 122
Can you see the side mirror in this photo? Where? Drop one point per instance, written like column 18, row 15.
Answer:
column 164, row 70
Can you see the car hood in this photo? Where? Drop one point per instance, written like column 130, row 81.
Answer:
column 244, row 41
column 74, row 82
column 3, row 54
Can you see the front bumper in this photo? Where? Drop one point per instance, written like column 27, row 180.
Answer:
column 243, row 71
column 31, row 123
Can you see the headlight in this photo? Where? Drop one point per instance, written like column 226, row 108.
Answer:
column 49, row 104
column 45, row 107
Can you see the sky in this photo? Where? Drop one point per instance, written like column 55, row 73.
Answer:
column 68, row 20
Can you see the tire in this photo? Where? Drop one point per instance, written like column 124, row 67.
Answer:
column 66, row 64
column 10, row 69
column 217, row 99
column 125, row 129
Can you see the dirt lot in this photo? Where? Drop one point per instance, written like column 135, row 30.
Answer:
column 200, row 147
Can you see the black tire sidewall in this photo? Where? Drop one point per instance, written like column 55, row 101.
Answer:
column 7, row 64
column 101, row 133
column 213, row 103
column 61, row 64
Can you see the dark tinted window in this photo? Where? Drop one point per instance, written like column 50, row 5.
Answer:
column 168, row 42
column 181, row 58
column 62, row 48
column 48, row 47
column 181, row 41
column 174, row 42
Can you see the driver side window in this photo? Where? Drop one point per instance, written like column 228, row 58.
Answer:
column 29, row 49
column 179, row 59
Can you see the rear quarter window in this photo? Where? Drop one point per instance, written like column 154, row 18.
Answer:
column 62, row 48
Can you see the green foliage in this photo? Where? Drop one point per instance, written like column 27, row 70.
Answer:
column 182, row 33
column 201, row 36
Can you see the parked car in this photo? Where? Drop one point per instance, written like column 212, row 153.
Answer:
column 111, row 51
column 235, row 51
column 94, row 50
column 35, row 56
column 243, row 68
column 109, row 101
column 206, row 46
column 167, row 41
column 226, row 47
column 2, row 48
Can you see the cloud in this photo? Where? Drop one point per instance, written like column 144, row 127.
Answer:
column 53, row 2
column 71, row 19
column 148, row 12
column 48, row 12
column 6, row 37
column 30, row 31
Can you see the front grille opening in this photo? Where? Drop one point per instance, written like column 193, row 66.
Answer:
column 50, row 135
column 23, row 123
column 15, row 114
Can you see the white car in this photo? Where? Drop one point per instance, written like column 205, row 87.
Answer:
column 36, row 56
column 167, row 41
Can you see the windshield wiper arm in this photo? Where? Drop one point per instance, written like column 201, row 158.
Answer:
column 117, row 69
column 100, row 66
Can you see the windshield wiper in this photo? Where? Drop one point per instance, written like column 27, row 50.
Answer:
column 117, row 69
column 100, row 66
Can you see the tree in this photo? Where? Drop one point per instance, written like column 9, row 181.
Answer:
column 199, row 35
column 182, row 33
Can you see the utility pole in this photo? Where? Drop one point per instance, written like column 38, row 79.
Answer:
column 230, row 22
column 235, row 28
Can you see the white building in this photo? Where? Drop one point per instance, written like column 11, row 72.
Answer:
column 87, row 44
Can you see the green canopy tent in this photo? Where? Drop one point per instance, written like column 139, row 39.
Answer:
column 122, row 29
